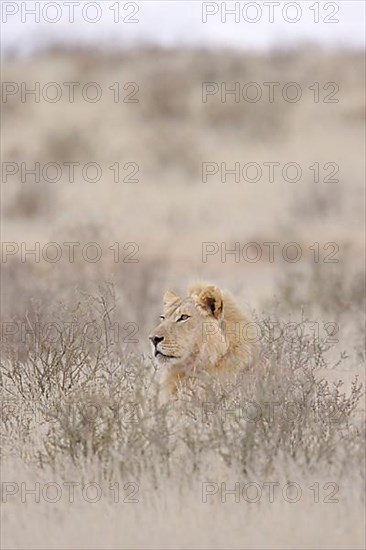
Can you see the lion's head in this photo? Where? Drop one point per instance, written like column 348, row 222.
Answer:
column 205, row 331
column 190, row 327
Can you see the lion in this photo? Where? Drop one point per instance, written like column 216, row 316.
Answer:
column 202, row 335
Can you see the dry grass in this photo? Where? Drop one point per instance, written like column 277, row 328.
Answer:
column 90, row 411
column 126, row 420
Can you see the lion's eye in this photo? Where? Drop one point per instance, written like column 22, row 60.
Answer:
column 183, row 318
column 162, row 317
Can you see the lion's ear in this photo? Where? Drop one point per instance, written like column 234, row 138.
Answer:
column 169, row 298
column 210, row 298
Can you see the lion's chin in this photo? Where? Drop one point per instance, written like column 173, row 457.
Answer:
column 164, row 359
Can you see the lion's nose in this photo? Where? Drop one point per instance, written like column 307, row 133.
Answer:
column 156, row 339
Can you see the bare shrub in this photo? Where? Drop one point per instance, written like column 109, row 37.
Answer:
column 99, row 402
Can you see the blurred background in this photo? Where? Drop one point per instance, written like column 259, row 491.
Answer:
column 148, row 128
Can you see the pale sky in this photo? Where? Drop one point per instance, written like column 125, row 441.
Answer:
column 176, row 23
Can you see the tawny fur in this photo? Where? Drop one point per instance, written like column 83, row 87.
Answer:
column 216, row 340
